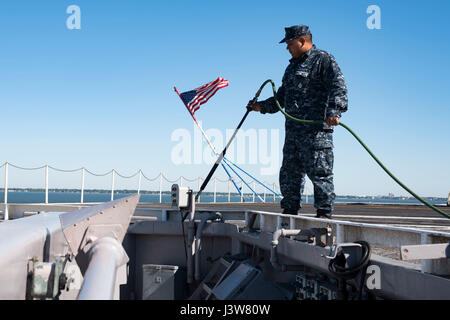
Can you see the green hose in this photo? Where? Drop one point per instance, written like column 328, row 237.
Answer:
column 362, row 143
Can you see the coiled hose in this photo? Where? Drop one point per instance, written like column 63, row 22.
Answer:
column 429, row 205
column 336, row 267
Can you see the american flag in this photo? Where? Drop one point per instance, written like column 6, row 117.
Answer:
column 195, row 98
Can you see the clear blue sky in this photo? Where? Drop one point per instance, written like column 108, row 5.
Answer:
column 102, row 97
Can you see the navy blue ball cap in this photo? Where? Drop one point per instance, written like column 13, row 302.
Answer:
column 295, row 32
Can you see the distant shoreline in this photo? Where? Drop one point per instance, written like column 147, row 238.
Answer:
column 131, row 191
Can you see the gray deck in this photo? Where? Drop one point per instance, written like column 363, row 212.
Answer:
column 392, row 214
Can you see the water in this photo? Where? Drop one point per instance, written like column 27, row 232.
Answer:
column 74, row 197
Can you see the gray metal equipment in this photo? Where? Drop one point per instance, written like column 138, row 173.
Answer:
column 162, row 282
column 247, row 283
column 77, row 254
column 237, row 281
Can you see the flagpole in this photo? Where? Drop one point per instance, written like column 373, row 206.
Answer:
column 207, row 139
column 219, row 160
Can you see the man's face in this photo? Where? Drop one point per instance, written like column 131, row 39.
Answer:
column 294, row 47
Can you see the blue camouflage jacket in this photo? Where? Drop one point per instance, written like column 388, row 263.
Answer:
column 313, row 88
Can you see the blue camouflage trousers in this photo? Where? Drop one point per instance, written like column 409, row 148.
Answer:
column 311, row 154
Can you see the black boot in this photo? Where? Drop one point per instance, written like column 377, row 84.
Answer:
column 322, row 213
column 290, row 211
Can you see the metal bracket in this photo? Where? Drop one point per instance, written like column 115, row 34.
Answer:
column 95, row 232
column 75, row 224
column 318, row 236
column 426, row 251
column 345, row 247
column 45, row 278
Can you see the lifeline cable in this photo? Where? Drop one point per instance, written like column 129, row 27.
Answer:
column 226, row 160
column 231, row 178
column 245, row 183
column 360, row 141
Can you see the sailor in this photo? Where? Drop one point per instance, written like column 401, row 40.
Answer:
column 313, row 88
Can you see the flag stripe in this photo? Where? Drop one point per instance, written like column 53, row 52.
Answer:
column 202, row 94
column 207, row 93
column 203, row 97
column 210, row 84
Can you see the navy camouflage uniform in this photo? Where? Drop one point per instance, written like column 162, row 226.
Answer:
column 313, row 88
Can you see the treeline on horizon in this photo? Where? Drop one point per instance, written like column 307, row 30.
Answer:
column 130, row 191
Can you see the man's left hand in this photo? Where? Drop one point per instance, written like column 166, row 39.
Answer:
column 332, row 121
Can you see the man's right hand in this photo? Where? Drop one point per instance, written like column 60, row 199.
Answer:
column 254, row 106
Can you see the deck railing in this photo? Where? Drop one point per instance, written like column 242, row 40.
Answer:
column 265, row 195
